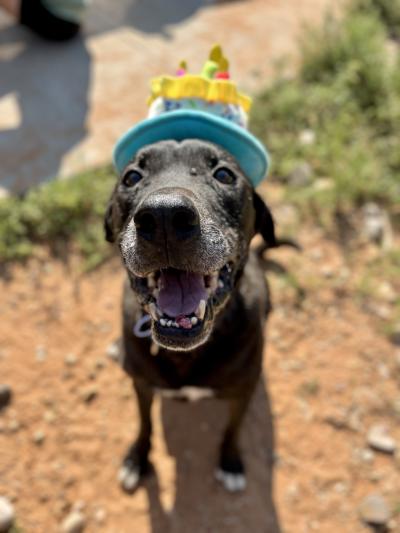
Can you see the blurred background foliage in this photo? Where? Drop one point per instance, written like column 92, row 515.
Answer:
column 333, row 131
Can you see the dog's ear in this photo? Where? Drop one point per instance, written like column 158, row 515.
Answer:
column 264, row 223
column 108, row 223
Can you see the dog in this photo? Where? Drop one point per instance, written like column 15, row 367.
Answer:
column 183, row 214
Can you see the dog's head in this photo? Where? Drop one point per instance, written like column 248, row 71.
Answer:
column 183, row 215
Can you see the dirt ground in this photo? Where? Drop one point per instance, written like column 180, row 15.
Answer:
column 329, row 374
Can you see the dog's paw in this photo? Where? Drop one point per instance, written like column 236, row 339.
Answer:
column 129, row 476
column 232, row 481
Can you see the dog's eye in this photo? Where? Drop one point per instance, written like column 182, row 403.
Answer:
column 224, row 175
column 131, row 178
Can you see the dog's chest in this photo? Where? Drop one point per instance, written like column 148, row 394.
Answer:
column 192, row 394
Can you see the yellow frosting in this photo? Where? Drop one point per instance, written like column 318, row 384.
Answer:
column 195, row 86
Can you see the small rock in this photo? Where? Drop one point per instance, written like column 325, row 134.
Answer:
column 316, row 254
column 41, row 353
column 387, row 293
column 39, row 437
column 74, row 523
column 324, row 184
column 7, row 515
column 70, row 359
column 14, row 425
column 90, row 394
column 327, row 271
column 301, row 175
column 79, row 506
column 383, row 371
column 286, row 214
column 99, row 364
column 395, row 335
column 307, row 137
column 366, row 455
column 5, row 396
column 379, row 439
column 380, row 310
column 50, row 416
column 114, row 351
column 100, row 515
column 374, row 510
column 293, row 492
column 337, row 419
column 341, row 487
column 376, row 476
column 376, row 225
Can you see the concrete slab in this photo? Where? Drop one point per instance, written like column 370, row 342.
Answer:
column 62, row 106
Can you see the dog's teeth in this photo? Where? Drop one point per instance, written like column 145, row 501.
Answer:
column 151, row 281
column 194, row 320
column 163, row 322
column 214, row 282
column 201, row 310
column 175, row 325
column 220, row 284
column 153, row 311
column 169, row 323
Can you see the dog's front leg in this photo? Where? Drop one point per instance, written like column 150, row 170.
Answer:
column 231, row 471
column 135, row 463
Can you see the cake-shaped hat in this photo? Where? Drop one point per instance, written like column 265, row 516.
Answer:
column 206, row 106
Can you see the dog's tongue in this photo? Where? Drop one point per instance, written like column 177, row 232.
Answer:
column 180, row 292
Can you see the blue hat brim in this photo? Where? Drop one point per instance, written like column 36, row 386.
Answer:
column 187, row 124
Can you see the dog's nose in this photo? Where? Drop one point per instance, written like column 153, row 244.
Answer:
column 170, row 216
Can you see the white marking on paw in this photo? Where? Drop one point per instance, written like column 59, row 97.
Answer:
column 128, row 477
column 189, row 393
column 231, row 482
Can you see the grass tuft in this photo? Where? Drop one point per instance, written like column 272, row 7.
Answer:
column 347, row 94
column 58, row 214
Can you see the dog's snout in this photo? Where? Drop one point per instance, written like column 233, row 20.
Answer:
column 167, row 216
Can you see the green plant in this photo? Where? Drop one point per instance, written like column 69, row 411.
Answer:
column 58, row 214
column 347, row 93
column 387, row 10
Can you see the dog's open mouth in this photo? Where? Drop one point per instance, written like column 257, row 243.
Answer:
column 181, row 303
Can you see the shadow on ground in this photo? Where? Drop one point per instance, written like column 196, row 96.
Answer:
column 49, row 83
column 192, row 433
column 150, row 16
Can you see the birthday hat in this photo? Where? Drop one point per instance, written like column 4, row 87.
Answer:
column 207, row 106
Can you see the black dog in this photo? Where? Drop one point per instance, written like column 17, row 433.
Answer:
column 183, row 215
